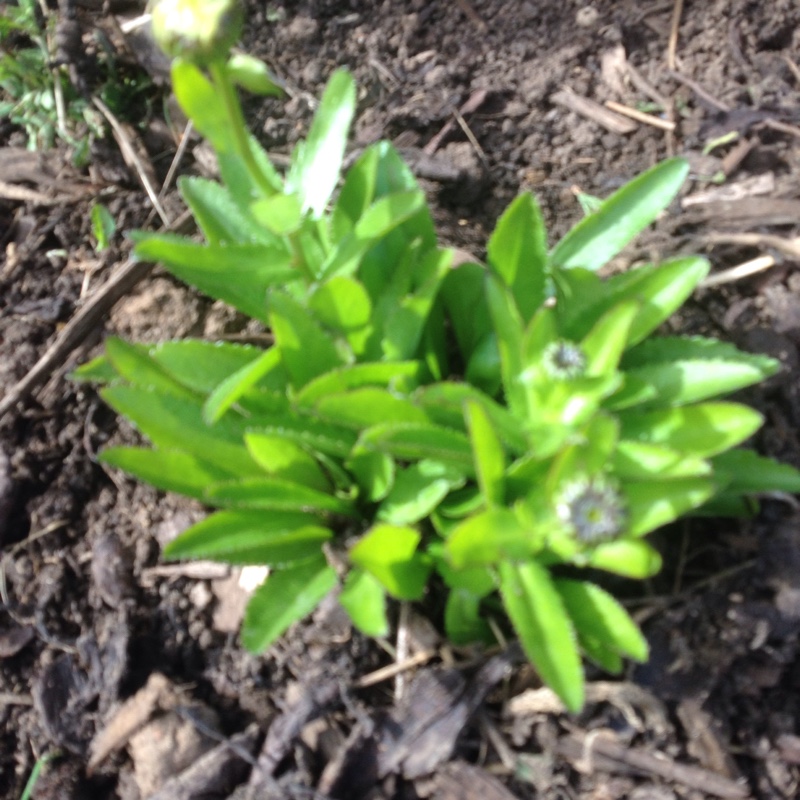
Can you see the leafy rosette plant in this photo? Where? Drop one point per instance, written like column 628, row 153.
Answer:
column 504, row 427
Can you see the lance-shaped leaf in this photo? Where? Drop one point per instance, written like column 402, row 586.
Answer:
column 651, row 505
column 517, row 253
column 369, row 405
column 283, row 458
column 409, row 442
column 364, row 599
column 136, row 366
column 401, row 376
column 317, row 160
column 221, row 219
column 487, row 449
column 288, row 595
column 604, row 344
column 509, row 331
column 168, row 470
column 642, row 461
column 746, row 472
column 313, row 434
column 389, row 553
column 251, row 537
column 357, row 192
column 202, row 365
column 660, row 290
column 231, row 390
column 631, row 558
column 700, row 430
column 464, row 294
column 537, row 612
column 238, row 274
column 599, row 618
column 307, row 351
column 274, row 493
column 417, row 490
column 600, row 236
column 464, row 622
column 176, row 423
column 489, row 537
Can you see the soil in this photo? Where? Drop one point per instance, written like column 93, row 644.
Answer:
column 130, row 672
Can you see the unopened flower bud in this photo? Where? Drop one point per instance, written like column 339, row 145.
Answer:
column 198, row 30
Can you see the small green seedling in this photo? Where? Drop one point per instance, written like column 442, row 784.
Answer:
column 506, row 427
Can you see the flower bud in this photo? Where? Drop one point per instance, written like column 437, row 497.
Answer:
column 197, row 30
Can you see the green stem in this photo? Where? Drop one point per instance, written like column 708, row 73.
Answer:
column 227, row 90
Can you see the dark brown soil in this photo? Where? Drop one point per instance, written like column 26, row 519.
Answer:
column 91, row 619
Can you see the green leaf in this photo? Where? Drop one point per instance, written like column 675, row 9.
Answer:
column 464, row 293
column 252, row 74
column 604, row 344
column 684, row 382
column 444, row 402
column 283, row 458
column 306, row 350
column 370, row 405
column 401, row 376
column 357, row 193
column 168, row 470
column 311, row 434
column 508, row 329
column 98, row 370
column 176, row 423
column 201, row 365
column 251, row 537
column 103, row 226
column 364, row 600
column 537, row 612
column 229, row 391
column 660, row 290
column 600, row 236
column 389, row 553
column 202, row 105
column 746, row 472
column 517, row 253
column 238, row 274
column 631, row 558
column 597, row 615
column 489, row 537
column 408, row 441
column 316, row 161
column 341, row 303
column 286, row 596
column 274, row 493
column 701, row 430
column 280, row 214
column 374, row 473
column 132, row 363
column 417, row 491
column 377, row 222
column 218, row 215
column 464, row 623
column 639, row 461
column 490, row 458
column 651, row 505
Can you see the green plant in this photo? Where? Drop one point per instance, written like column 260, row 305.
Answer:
column 504, row 427
column 38, row 95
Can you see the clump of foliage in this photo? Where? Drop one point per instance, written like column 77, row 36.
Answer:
column 36, row 92
column 503, row 427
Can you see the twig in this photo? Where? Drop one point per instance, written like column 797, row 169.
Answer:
column 672, row 46
column 698, row 90
column 793, row 67
column 789, row 247
column 474, row 102
column 76, row 330
column 740, row 271
column 391, row 670
column 640, row 116
column 594, row 111
column 577, row 748
column 131, row 157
